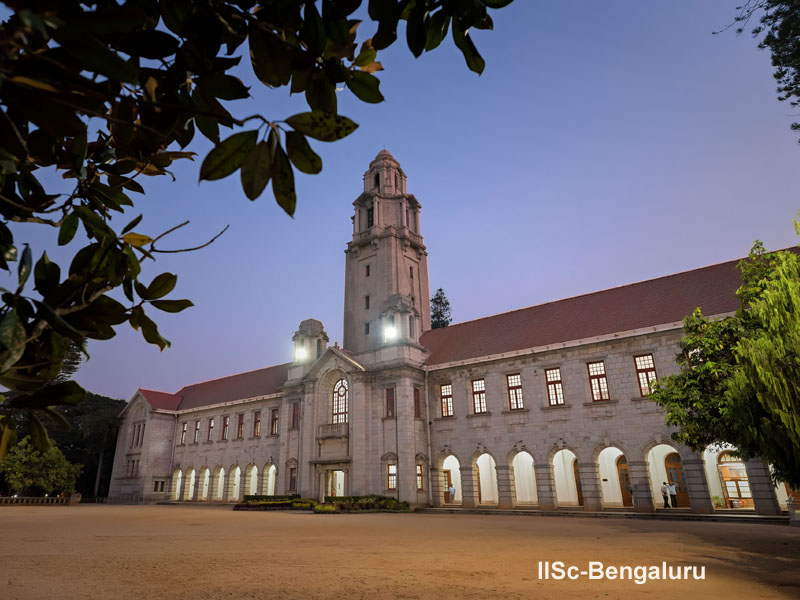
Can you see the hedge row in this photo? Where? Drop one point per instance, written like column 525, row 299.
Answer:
column 262, row 498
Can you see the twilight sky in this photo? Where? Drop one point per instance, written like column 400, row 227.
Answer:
column 605, row 143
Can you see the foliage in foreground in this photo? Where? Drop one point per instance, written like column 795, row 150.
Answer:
column 96, row 97
column 739, row 376
column 26, row 469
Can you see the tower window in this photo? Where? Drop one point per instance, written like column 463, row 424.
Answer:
column 319, row 348
column 370, row 216
column 411, row 272
column 366, row 328
column 367, row 270
column 377, row 180
column 410, row 326
column 366, row 302
column 340, row 402
column 397, row 182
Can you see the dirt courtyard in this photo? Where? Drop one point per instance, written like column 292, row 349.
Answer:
column 95, row 551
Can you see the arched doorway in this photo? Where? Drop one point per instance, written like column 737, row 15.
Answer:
column 205, row 480
column 177, row 480
column 270, row 477
column 664, row 465
column 188, row 491
column 727, row 479
column 674, row 468
column 615, row 480
column 219, row 483
column 251, row 479
column 567, row 478
column 451, row 476
column 235, row 483
column 524, row 479
column 486, row 479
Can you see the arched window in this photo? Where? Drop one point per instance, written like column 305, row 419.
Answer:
column 340, row 402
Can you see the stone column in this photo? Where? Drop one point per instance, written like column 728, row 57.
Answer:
column 694, row 476
column 764, row 498
column 469, row 489
column 590, row 486
column 506, row 493
column 545, row 486
column 196, row 490
column 640, row 486
column 436, row 487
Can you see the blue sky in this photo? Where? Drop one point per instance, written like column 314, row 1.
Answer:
column 605, row 143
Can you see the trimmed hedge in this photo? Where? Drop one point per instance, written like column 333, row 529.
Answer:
column 262, row 498
column 371, row 502
column 326, row 509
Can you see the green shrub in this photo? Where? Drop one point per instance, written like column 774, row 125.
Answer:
column 326, row 509
column 262, row 498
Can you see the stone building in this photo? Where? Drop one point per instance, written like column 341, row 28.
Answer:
column 545, row 406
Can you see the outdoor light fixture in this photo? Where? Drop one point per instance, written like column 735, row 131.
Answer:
column 390, row 332
column 300, row 354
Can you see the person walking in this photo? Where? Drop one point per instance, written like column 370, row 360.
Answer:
column 665, row 493
column 673, row 494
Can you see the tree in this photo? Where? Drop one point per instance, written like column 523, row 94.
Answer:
column 779, row 24
column 26, row 468
column 108, row 93
column 738, row 379
column 441, row 315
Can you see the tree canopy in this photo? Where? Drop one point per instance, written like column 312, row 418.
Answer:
column 96, row 97
column 26, row 469
column 738, row 382
column 441, row 314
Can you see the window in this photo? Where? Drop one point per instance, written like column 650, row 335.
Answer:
column 645, row 373
column 377, row 179
column 366, row 302
column 155, row 486
column 293, row 479
column 367, row 270
column 555, row 392
column 479, row 396
column 211, row 429
column 295, row 415
column 390, row 402
column 240, row 427
column 419, row 478
column 598, row 381
column 257, row 423
column 340, row 402
column 134, row 436
column 183, row 433
column 366, row 328
column 514, row 391
column 417, row 405
column 319, row 348
column 370, row 216
column 391, row 477
column 446, row 392
column 226, row 421
column 273, row 422
column 196, row 431
column 411, row 273
column 410, row 326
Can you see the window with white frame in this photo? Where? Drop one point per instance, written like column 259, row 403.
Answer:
column 479, row 396
column 597, row 380
column 446, row 393
column 555, row 390
column 645, row 373
column 514, row 391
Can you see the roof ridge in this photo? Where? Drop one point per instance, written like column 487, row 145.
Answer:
column 232, row 375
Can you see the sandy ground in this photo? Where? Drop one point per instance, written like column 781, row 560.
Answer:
column 95, row 551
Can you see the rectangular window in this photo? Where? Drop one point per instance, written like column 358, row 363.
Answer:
column 555, row 391
column 645, row 373
column 155, row 486
column 419, row 478
column 479, row 396
column 183, row 433
column 273, row 423
column 141, row 435
column 366, row 302
column 446, row 392
column 411, row 273
column 390, row 402
column 135, row 436
column 417, row 404
column 196, row 431
column 295, row 415
column 293, row 479
column 240, row 427
column 366, row 328
column 391, row 476
column 210, row 429
column 226, row 421
column 514, row 391
column 370, row 217
column 598, row 381
column 257, row 423
column 367, row 270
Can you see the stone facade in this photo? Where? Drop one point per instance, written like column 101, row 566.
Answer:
column 401, row 411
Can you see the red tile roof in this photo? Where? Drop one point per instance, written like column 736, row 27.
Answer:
column 260, row 382
column 645, row 304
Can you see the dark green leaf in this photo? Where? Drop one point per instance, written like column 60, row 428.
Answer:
column 365, row 87
column 172, row 306
column 497, row 3
column 437, row 27
column 415, row 29
column 228, row 155
column 68, row 228
column 270, row 57
column 223, row 86
column 58, row 324
column 38, row 433
column 283, row 182
column 313, row 32
column 256, row 170
column 322, row 126
column 12, row 336
column 301, row 154
column 160, row 286
column 66, row 393
column 131, row 225
column 321, row 93
column 149, row 43
column 366, row 55
column 46, row 274
column 150, row 332
column 24, row 268
column 464, row 43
